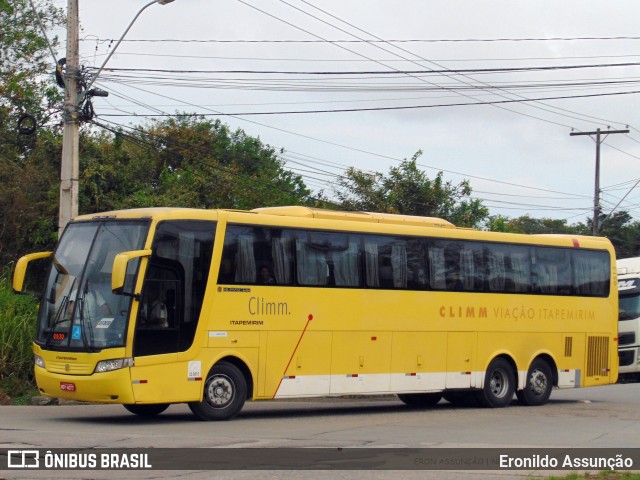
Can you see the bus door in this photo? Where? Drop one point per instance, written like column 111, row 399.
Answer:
column 166, row 369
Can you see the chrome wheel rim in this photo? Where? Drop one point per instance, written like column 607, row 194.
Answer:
column 498, row 383
column 219, row 391
column 538, row 382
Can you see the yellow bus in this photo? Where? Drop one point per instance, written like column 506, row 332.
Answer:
column 157, row 306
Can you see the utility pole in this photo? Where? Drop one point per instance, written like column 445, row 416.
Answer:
column 70, row 167
column 596, row 195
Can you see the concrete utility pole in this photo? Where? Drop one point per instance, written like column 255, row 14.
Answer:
column 70, row 166
column 596, row 196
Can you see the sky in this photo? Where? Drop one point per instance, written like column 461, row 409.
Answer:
column 405, row 67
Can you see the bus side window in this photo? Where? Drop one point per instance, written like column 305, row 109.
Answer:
column 496, row 269
column 238, row 264
column 417, row 275
column 437, row 276
column 473, row 267
column 311, row 261
column 246, row 270
column 282, row 255
column 552, row 272
column 591, row 273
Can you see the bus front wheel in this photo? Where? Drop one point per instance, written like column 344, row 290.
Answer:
column 225, row 392
column 539, row 384
column 146, row 410
column 499, row 385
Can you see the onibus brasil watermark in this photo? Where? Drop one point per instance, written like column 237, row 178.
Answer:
column 328, row 458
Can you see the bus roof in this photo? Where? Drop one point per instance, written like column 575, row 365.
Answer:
column 384, row 220
column 387, row 218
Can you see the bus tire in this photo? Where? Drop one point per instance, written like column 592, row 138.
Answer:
column 420, row 399
column 499, row 385
column 225, row 392
column 539, row 384
column 146, row 410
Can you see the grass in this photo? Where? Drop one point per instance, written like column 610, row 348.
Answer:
column 17, row 330
column 605, row 475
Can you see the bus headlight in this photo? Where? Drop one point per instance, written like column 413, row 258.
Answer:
column 114, row 364
column 39, row 361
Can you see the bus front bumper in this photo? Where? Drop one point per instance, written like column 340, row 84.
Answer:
column 107, row 387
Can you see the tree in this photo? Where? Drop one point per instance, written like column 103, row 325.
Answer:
column 623, row 233
column 408, row 190
column 27, row 87
column 185, row 161
column 529, row 225
column 26, row 66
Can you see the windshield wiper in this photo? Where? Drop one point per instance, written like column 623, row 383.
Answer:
column 57, row 320
column 88, row 344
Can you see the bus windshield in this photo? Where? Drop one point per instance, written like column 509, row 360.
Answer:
column 78, row 310
column 629, row 307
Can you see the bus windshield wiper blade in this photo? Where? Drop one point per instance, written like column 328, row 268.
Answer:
column 57, row 320
column 87, row 343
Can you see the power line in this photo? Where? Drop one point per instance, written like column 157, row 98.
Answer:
column 385, row 72
column 542, row 106
column 323, row 182
column 405, row 107
column 305, row 136
column 373, row 153
column 355, row 60
column 408, row 40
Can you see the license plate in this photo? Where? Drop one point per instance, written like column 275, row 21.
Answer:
column 68, row 386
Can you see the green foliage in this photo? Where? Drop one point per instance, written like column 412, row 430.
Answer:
column 622, row 231
column 604, row 475
column 528, row 225
column 27, row 173
column 184, row 162
column 619, row 228
column 29, row 199
column 26, row 65
column 17, row 330
column 408, row 190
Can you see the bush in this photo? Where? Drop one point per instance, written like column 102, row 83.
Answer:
column 17, row 331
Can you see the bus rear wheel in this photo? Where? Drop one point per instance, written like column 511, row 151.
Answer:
column 225, row 392
column 420, row 399
column 539, row 384
column 499, row 385
column 146, row 410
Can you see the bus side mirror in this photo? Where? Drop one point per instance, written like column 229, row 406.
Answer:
column 20, row 272
column 125, row 265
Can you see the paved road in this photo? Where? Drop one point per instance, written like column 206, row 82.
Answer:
column 595, row 417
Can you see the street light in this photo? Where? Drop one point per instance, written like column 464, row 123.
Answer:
column 70, row 164
column 161, row 2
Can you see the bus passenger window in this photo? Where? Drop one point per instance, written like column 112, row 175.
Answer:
column 392, row 263
column 552, row 271
column 591, row 273
column 312, row 263
column 227, row 273
column 282, row 258
column 264, row 276
column 455, row 283
column 437, row 280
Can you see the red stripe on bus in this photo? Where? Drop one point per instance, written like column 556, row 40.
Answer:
column 309, row 318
